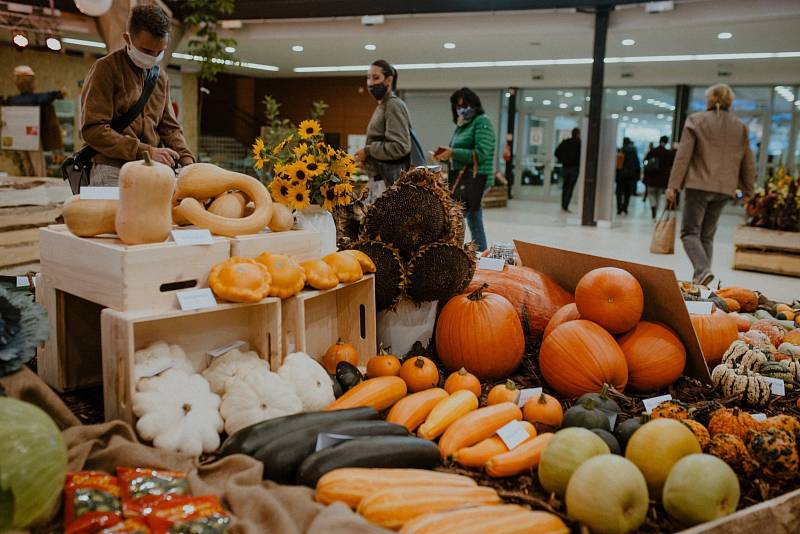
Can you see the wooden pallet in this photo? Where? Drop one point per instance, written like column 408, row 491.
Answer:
column 767, row 251
column 496, row 197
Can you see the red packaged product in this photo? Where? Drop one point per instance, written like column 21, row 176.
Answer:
column 143, row 487
column 134, row 525
column 91, row 502
column 189, row 515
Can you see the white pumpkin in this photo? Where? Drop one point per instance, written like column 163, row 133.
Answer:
column 228, row 365
column 152, row 360
column 178, row 412
column 191, row 363
column 255, row 396
column 310, row 380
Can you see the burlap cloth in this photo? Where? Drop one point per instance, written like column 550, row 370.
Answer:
column 257, row 506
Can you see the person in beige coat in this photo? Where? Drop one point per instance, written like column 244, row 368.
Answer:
column 713, row 160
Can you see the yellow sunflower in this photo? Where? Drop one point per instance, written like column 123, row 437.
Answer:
column 300, row 197
column 345, row 170
column 329, row 194
column 260, row 162
column 300, row 150
column 344, row 189
column 298, row 171
column 280, row 146
column 281, row 191
column 309, row 129
column 314, row 167
column 344, row 200
column 258, row 147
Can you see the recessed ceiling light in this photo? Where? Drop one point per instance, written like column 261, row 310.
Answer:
column 588, row 98
column 625, row 118
column 615, row 115
column 568, row 94
column 297, row 48
column 578, row 108
column 636, row 97
column 562, row 105
column 622, row 92
column 370, row 47
column 53, row 43
column 230, row 49
column 660, row 116
column 547, row 102
column 724, row 35
column 20, row 40
column 628, row 42
column 449, row 46
column 635, row 120
column 629, row 108
column 508, row 95
column 528, row 99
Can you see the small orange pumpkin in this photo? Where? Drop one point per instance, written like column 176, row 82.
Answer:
column 655, row 356
column 463, row 379
column 507, row 392
column 543, row 410
column 346, row 267
column 240, row 280
column 339, row 352
column 384, row 364
column 568, row 312
column 611, row 297
column 715, row 332
column 419, row 373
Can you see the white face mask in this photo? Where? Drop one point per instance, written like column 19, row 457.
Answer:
column 142, row 60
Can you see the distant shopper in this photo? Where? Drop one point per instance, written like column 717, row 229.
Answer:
column 713, row 160
column 471, row 157
column 387, row 152
column 657, row 166
column 628, row 176
column 568, row 154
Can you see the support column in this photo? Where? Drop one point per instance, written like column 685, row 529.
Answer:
column 511, row 121
column 595, row 115
column 682, row 93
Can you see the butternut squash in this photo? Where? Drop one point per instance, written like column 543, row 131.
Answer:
column 144, row 214
column 351, row 484
column 229, row 204
column 446, row 412
column 477, row 426
column 394, row 507
column 88, row 218
column 477, row 455
column 411, row 411
column 282, row 218
column 379, row 393
column 504, row 518
column 519, row 460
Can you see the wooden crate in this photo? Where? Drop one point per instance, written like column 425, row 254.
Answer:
column 197, row 331
column 301, row 244
column 126, row 277
column 768, row 251
column 496, row 197
column 312, row 321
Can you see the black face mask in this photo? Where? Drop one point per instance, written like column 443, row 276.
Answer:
column 378, row 91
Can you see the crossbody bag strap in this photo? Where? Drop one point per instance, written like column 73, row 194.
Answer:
column 125, row 120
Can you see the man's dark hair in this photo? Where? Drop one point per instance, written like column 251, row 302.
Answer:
column 387, row 70
column 469, row 98
column 576, row 132
column 149, row 18
column 664, row 140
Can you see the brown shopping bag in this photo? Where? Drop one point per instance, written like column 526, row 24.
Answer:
column 663, row 241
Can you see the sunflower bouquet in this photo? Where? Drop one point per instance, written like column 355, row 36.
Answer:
column 302, row 169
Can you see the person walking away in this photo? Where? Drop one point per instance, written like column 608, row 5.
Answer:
column 387, row 151
column 657, row 166
column 568, row 154
column 114, row 85
column 471, row 157
column 713, row 160
column 631, row 169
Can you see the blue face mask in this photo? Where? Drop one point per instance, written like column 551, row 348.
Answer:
column 463, row 111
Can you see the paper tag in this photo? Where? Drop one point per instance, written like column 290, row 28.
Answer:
column 157, row 370
column 759, row 417
column 699, row 308
column 612, row 418
column 219, row 351
column 196, row 299
column 704, row 293
column 652, row 402
column 491, row 264
column 192, row 237
column 23, row 281
column 512, row 434
column 99, row 193
column 776, row 386
column 527, row 394
column 325, row 440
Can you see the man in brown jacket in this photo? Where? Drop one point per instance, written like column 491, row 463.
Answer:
column 113, row 86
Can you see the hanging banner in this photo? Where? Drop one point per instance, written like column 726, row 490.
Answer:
column 20, row 127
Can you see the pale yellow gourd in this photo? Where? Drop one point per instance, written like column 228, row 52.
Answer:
column 229, row 204
column 144, row 214
column 87, row 218
column 288, row 278
column 282, row 218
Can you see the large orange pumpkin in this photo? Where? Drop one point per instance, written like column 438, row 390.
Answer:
column 655, row 356
column 534, row 295
column 482, row 333
column 610, row 297
column 564, row 314
column 715, row 332
column 579, row 357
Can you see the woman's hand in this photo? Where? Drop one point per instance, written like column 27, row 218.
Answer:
column 671, row 195
column 443, row 153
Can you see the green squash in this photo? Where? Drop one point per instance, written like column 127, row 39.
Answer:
column 586, row 415
column 601, row 400
column 625, row 429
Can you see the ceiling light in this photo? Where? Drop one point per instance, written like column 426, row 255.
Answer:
column 629, row 108
column 568, row 94
column 371, row 47
column 562, row 105
column 724, row 35
column 230, row 49
column 19, row 39
column 449, row 46
column 615, row 115
column 651, row 101
column 636, row 97
column 660, row 116
column 635, row 120
column 53, row 43
column 547, row 102
column 622, row 92
column 508, row 95
column 578, row 108
column 83, row 42
column 588, row 98
column 628, row 42
column 231, row 63
column 625, row 118
column 528, row 99
column 297, row 48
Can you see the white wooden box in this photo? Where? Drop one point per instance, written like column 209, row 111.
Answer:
column 300, row 244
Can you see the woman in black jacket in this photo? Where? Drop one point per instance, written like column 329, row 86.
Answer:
column 627, row 179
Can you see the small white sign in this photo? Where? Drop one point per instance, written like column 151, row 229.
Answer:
column 776, row 386
column 512, row 434
column 612, row 418
column 759, row 417
column 652, row 402
column 192, row 237
column 705, row 293
column 99, row 193
column 699, row 308
column 23, row 281
column 491, row 264
column 325, row 440
column 219, row 351
column 196, row 299
column 527, row 394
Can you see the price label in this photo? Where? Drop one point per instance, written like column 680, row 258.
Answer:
column 612, row 418
column 759, row 417
column 23, row 281
column 196, row 299
column 513, row 434
column 776, row 386
column 192, row 237
column 99, row 193
column 326, row 440
column 652, row 402
column 491, row 264
column 699, row 308
column 156, row 369
column 527, row 394
column 705, row 293
column 219, row 351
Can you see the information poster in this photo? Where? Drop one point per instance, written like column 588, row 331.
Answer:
column 20, row 127
column 537, row 136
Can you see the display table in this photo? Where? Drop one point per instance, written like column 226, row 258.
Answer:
column 767, row 251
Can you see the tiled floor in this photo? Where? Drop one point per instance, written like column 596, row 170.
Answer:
column 543, row 223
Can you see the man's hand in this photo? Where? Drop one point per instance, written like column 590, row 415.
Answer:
column 167, row 156
column 361, row 154
column 443, row 153
column 671, row 195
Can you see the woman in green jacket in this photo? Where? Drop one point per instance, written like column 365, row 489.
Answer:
column 471, row 158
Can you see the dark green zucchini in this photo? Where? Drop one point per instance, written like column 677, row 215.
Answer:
column 337, row 387
column 282, row 456
column 348, row 375
column 249, row 439
column 382, row 451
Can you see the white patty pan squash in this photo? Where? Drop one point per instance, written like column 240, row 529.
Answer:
column 160, row 356
column 178, row 412
column 228, row 365
column 310, row 380
column 252, row 397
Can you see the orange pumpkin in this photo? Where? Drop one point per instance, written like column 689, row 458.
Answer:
column 462, row 379
column 610, row 297
column 384, row 364
column 482, row 333
column 655, row 356
column 419, row 373
column 507, row 392
column 715, row 332
column 564, row 314
column 543, row 410
column 579, row 357
column 339, row 352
